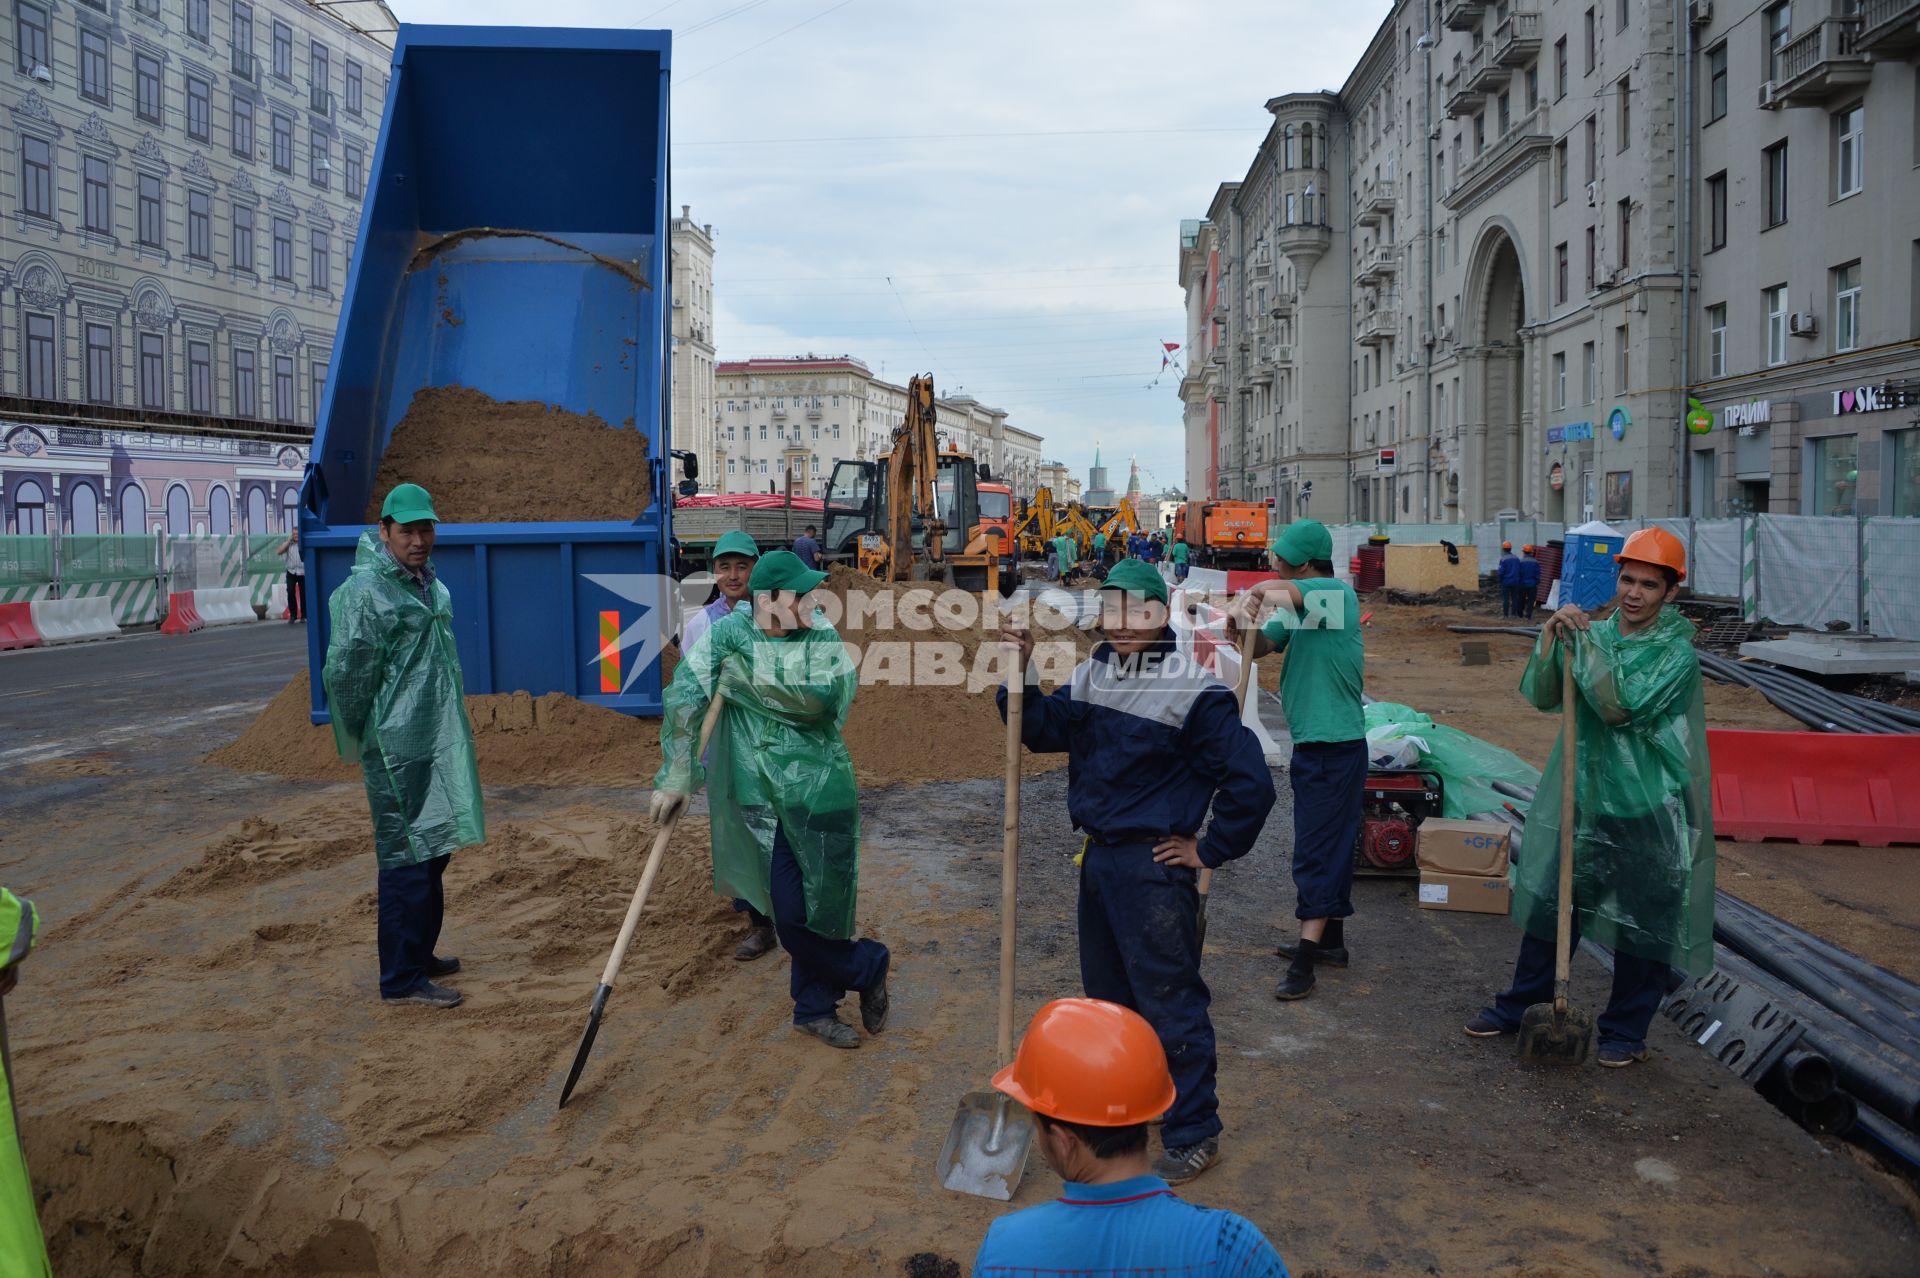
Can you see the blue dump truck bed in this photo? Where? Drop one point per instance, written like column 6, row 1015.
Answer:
column 514, row 241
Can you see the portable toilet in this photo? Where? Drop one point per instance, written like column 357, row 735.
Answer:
column 1587, row 571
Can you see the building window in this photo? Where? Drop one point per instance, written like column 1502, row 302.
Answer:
column 1849, row 150
column 1591, row 47
column 356, row 172
column 317, row 69
column 1777, row 24
column 36, row 177
column 1776, row 167
column 1560, row 273
column 1623, row 95
column 84, row 502
column 1560, row 174
column 1620, row 360
column 1836, row 470
column 147, row 100
column 242, row 128
column 199, row 377
column 355, row 87
column 317, row 166
column 96, row 81
column 1625, row 220
column 246, row 386
column 1776, row 310
column 1479, row 133
column 152, row 211
column 219, row 512
column 317, row 382
column 1593, row 258
column 1593, row 148
column 242, row 27
column 200, row 225
column 243, row 238
column 1716, row 82
column 317, row 260
column 199, row 109
column 1589, row 371
column 198, row 24
column 133, row 510
column 1717, row 211
column 1559, row 379
column 29, row 509
column 99, row 364
column 1620, row 15
column 97, row 180
column 179, row 511
column 1903, row 464
column 1506, row 113
column 1559, row 68
column 30, row 37
column 1846, row 307
column 1533, row 87
column 283, row 50
column 37, row 373
column 283, row 249
column 283, row 142
column 1717, row 340
column 283, row 388
column 153, row 370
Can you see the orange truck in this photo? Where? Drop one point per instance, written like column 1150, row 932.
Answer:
column 996, row 522
column 1224, row 534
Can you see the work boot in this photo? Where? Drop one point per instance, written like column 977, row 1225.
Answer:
column 1621, row 1055
column 1332, row 945
column 1298, row 982
column 758, row 940
column 1182, row 1163
column 830, row 1030
column 443, row 966
column 429, row 993
column 873, row 1006
column 1484, row 1026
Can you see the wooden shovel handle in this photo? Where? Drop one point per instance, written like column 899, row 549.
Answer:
column 1010, row 851
column 655, row 855
column 1569, row 758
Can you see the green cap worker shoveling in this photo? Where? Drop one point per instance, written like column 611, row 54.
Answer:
column 395, row 693
column 23, row 1250
column 1643, row 834
column 785, row 808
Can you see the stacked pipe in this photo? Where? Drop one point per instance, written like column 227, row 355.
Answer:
column 1821, row 709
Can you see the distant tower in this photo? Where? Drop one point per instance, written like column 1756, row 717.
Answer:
column 1098, row 492
column 1133, row 488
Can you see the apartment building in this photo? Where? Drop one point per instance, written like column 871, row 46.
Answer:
column 1531, row 230
column 783, row 420
column 692, row 410
column 180, row 199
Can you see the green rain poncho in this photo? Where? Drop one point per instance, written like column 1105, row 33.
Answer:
column 776, row 761
column 1643, row 843
column 394, row 691
column 23, row 1251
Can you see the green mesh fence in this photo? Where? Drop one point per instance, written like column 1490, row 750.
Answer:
column 25, row 562
column 90, row 559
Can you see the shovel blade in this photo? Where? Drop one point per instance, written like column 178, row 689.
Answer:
column 985, row 1153
column 586, row 1042
column 1552, row 1037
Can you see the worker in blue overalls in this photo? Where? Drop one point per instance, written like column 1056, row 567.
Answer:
column 1152, row 742
column 1509, row 581
column 1529, row 583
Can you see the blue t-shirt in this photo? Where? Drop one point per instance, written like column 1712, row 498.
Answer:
column 1131, row 1227
column 808, row 549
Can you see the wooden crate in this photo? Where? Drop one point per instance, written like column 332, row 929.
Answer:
column 1423, row 569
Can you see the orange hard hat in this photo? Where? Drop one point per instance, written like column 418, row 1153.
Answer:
column 1092, row 1062
column 1506, row 545
column 1655, row 546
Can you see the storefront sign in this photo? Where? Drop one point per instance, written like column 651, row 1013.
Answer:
column 1699, row 420
column 1618, row 421
column 1572, row 432
column 1556, row 478
column 1756, row 412
column 1863, row 399
column 1384, row 463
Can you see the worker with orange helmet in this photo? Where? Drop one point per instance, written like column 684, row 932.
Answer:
column 1529, row 580
column 1643, row 828
column 1094, row 1075
column 1509, row 581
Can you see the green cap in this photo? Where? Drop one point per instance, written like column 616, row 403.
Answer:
column 407, row 504
column 1304, row 541
column 782, row 570
column 736, row 543
column 1137, row 577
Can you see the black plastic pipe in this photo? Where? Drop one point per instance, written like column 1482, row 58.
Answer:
column 1888, row 985
column 1889, row 1135
column 1839, row 991
column 1808, row 1076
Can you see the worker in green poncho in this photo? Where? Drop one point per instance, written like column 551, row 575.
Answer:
column 785, row 808
column 1069, row 552
column 395, row 694
column 1643, row 831
column 23, row 1251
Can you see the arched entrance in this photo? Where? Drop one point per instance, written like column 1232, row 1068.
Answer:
column 1500, row 375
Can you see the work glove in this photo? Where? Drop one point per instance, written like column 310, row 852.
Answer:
column 666, row 805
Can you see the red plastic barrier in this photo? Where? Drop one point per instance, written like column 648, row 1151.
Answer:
column 1238, row 579
column 16, row 626
column 1815, row 787
column 181, row 617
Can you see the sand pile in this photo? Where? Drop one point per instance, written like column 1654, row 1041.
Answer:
column 486, row 461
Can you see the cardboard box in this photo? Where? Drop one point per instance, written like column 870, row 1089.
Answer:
column 1472, row 893
column 1463, row 847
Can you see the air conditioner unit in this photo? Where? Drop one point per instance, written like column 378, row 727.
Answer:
column 1769, row 100
column 1593, row 194
column 1603, row 280
column 1426, row 337
column 1399, row 366
column 1803, row 324
column 1446, row 333
column 1700, row 13
column 41, row 73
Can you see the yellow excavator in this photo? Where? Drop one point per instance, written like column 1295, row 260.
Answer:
column 1119, row 526
column 1035, row 527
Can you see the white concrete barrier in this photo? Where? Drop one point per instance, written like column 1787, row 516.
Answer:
column 224, row 606
column 74, row 620
column 277, row 602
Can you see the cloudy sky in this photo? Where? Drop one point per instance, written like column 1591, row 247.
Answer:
column 987, row 189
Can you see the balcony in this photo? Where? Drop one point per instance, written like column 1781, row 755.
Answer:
column 1303, row 241
column 1484, row 75
column 1282, row 304
column 244, row 66
column 1380, row 264
column 1888, row 27
column 1494, row 167
column 1822, row 64
column 1380, row 325
column 1463, row 15
column 1462, row 98
column 319, row 101
column 779, row 414
column 1376, row 203
column 1516, row 41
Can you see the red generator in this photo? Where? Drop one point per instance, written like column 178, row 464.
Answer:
column 1394, row 803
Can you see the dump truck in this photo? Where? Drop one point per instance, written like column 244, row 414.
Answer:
column 1224, row 534
column 504, row 249
column 773, row 521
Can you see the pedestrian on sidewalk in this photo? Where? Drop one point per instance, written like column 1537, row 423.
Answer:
column 1509, row 581
column 1643, row 828
column 1153, row 741
column 1317, row 625
column 785, row 811
column 1529, row 582
column 23, row 1249
column 1094, row 1076
column 734, row 556
column 399, row 709
column 296, row 577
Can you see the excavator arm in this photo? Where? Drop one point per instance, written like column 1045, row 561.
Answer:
column 912, row 468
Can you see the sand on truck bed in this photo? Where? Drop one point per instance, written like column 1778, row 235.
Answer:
column 520, row 461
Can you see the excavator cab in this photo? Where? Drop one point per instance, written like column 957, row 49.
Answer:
column 856, row 509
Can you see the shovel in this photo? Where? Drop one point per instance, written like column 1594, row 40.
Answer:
column 1558, row 1033
column 986, row 1149
column 1240, row 698
column 632, row 920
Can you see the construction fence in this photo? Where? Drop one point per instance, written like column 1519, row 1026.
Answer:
column 136, row 574
column 1793, row 570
